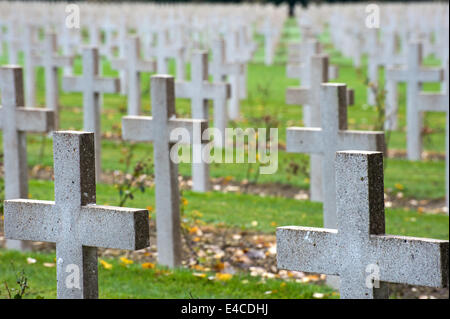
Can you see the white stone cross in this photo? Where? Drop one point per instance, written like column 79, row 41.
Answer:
column 51, row 62
column 414, row 75
column 439, row 102
column 91, row 85
column 15, row 122
column 73, row 221
column 164, row 51
column 200, row 91
column 333, row 136
column 133, row 65
column 309, row 97
column 158, row 129
column 359, row 251
column 221, row 70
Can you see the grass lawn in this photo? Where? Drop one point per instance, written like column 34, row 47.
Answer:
column 132, row 281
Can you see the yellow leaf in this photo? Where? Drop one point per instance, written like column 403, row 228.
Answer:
column 196, row 239
column 198, row 274
column 148, row 265
column 126, row 261
column 184, row 201
column 193, row 230
column 273, row 224
column 223, row 277
column 399, row 186
column 105, row 264
column 150, row 209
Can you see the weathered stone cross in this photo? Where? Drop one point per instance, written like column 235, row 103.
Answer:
column 158, row 129
column 220, row 70
column 133, row 65
column 309, row 97
column 359, row 251
column 331, row 137
column 414, row 75
column 200, row 91
column 15, row 122
column 74, row 222
column 51, row 62
column 91, row 85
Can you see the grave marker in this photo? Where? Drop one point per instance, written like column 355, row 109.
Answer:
column 74, row 222
column 157, row 129
column 90, row 84
column 414, row 75
column 331, row 137
column 200, row 91
column 133, row 65
column 360, row 247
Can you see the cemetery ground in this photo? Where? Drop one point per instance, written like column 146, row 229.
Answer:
column 229, row 233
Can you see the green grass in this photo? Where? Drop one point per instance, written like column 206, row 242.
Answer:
column 241, row 210
column 135, row 282
column 266, row 96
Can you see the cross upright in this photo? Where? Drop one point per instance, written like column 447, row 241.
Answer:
column 51, row 62
column 414, row 74
column 220, row 69
column 200, row 91
column 14, row 42
column 331, row 137
column 158, row 129
column 164, row 51
column 91, row 85
column 439, row 102
column 15, row 121
column 133, row 65
column 30, row 56
column 73, row 221
column 359, row 251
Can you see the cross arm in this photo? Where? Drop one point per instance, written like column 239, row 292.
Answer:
column 118, row 64
column 297, row 95
column 31, row 220
column 184, row 89
column 304, row 140
column 72, row 84
column 146, row 66
column 107, row 85
column 141, row 128
column 430, row 75
column 217, row 90
column 61, row 61
column 361, row 140
column 307, row 249
column 410, row 260
column 114, row 227
column 398, row 74
column 432, row 102
column 34, row 120
column 293, row 71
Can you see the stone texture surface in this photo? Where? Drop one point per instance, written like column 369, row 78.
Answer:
column 73, row 221
column 360, row 240
column 91, row 85
column 15, row 122
column 157, row 129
